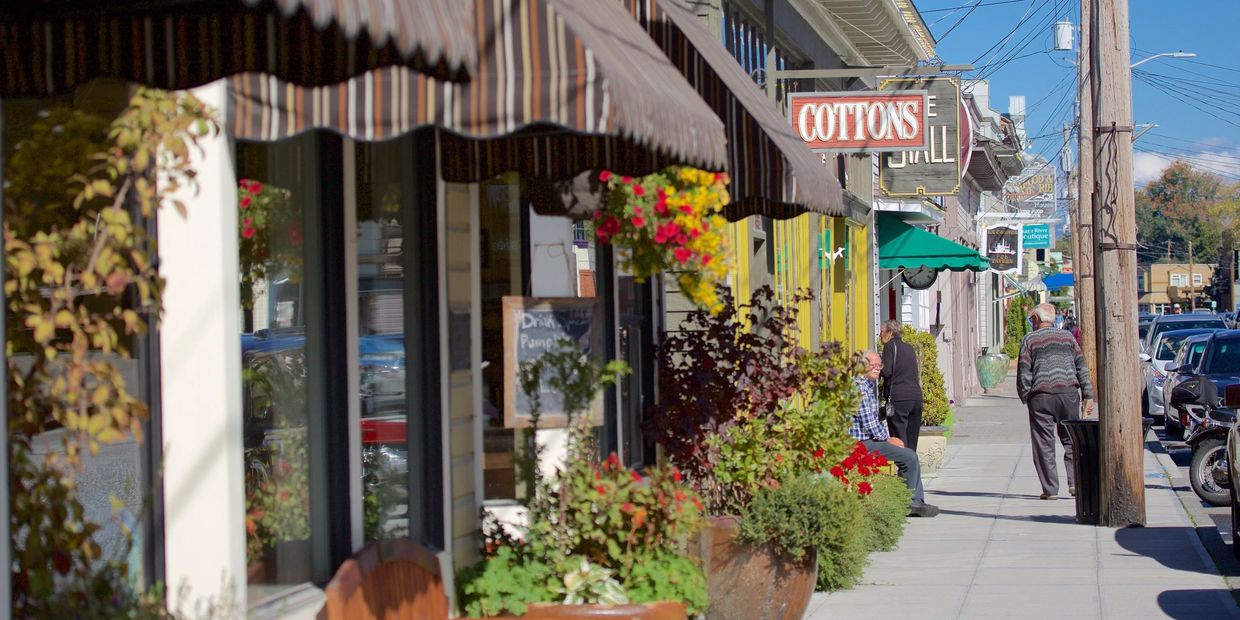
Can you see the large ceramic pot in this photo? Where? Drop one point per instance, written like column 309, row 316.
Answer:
column 753, row 582
column 649, row 611
column 992, row 369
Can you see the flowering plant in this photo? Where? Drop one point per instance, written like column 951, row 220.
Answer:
column 669, row 221
column 861, row 465
column 263, row 209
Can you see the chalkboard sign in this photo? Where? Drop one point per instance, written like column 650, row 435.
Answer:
column 533, row 326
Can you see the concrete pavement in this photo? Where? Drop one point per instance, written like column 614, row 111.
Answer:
column 999, row 551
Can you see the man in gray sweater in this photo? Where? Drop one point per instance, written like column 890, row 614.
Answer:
column 1052, row 381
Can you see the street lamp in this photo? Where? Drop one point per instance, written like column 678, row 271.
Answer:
column 1180, row 54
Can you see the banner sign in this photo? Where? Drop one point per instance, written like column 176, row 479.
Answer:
column 936, row 170
column 1036, row 236
column 1039, row 186
column 1003, row 248
column 861, row 122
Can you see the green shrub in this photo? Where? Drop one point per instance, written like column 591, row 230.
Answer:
column 935, row 409
column 812, row 511
column 886, row 511
column 1014, row 325
column 664, row 576
column 506, row 583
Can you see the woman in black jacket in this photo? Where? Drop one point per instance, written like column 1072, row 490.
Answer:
column 901, row 386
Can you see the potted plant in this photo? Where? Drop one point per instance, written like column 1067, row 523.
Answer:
column 745, row 411
column 936, row 416
column 601, row 539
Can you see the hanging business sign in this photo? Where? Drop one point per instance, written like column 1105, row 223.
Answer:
column 1003, row 248
column 1039, row 187
column 937, row 169
column 861, row 122
column 1036, row 236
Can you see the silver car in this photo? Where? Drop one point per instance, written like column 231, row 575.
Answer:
column 1156, row 362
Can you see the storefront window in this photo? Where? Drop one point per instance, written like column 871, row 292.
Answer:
column 383, row 173
column 277, row 183
column 45, row 143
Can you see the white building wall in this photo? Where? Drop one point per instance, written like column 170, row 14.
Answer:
column 200, row 357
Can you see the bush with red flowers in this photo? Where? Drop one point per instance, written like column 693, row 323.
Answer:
column 270, row 236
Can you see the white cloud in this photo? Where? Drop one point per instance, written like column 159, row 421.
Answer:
column 1215, row 159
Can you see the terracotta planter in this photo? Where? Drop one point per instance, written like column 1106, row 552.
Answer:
column 753, row 582
column 649, row 611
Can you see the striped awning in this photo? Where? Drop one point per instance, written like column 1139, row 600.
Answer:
column 51, row 46
column 773, row 172
column 562, row 86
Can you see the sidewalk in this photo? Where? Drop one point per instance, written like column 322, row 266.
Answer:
column 999, row 551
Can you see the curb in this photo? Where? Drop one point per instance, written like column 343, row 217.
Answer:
column 1207, row 533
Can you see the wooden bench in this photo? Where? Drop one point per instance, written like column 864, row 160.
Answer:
column 388, row 580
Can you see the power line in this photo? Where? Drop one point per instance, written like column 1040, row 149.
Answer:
column 965, row 6
column 1029, row 13
column 943, row 36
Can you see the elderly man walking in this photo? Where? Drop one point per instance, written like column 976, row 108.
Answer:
column 869, row 430
column 1052, row 381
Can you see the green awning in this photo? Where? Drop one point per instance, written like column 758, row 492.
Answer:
column 901, row 246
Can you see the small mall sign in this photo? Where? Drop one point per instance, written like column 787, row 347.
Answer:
column 1003, row 248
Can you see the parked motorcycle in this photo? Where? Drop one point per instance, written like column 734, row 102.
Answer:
column 1208, row 472
column 1208, row 424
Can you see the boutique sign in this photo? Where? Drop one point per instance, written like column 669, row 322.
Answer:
column 937, row 169
column 861, row 122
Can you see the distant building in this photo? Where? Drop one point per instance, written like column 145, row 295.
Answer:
column 1161, row 286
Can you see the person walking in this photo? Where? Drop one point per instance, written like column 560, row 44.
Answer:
column 1052, row 381
column 869, row 430
column 901, row 385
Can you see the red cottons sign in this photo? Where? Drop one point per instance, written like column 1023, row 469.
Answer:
column 856, row 122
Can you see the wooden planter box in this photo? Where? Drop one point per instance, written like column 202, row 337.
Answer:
column 753, row 582
column 931, row 450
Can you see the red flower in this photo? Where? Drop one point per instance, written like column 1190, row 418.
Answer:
column 837, row 471
column 247, row 222
column 245, row 202
column 721, row 177
column 706, row 258
column 598, row 215
column 636, row 476
column 683, row 255
column 695, row 233
column 681, row 239
column 661, row 208
column 680, row 496
column 863, row 470
column 864, row 488
column 850, row 462
column 666, row 232
column 818, row 453
column 626, row 180
column 779, row 458
column 604, row 176
column 697, row 502
column 602, row 490
column 613, row 460
column 686, row 209
column 676, row 474
column 638, row 211
column 626, row 507
column 248, row 232
column 611, row 225
column 255, row 187
column 598, row 475
column 603, row 237
column 638, row 221
column 639, row 190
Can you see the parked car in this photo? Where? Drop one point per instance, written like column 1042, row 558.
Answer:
column 1179, row 321
column 1175, row 421
column 1231, row 400
column 1154, row 366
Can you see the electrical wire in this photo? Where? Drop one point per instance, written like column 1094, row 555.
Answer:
column 939, row 39
column 965, row 6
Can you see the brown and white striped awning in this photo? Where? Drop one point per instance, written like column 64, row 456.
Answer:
column 51, row 46
column 562, row 86
column 773, row 172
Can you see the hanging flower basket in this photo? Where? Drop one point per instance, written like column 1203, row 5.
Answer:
column 263, row 211
column 669, row 221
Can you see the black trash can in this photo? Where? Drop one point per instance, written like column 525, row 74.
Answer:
column 1087, row 461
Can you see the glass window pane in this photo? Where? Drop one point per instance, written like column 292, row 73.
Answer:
column 383, row 172
column 277, row 182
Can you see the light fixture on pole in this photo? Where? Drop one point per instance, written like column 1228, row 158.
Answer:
column 1180, row 54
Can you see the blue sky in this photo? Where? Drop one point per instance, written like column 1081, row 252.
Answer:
column 1195, row 102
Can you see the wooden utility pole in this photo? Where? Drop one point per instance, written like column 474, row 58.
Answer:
column 1085, row 205
column 1115, row 222
column 1192, row 294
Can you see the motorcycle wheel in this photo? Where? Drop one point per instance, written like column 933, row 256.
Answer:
column 1208, row 472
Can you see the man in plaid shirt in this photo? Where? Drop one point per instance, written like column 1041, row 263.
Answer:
column 870, row 430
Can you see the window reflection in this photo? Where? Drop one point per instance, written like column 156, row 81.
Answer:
column 275, row 185
column 382, row 172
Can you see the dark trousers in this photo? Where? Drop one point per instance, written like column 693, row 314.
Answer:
column 905, row 422
column 1046, row 411
column 906, row 462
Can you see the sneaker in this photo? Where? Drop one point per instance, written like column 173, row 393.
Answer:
column 1047, row 496
column 1072, row 491
column 923, row 510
